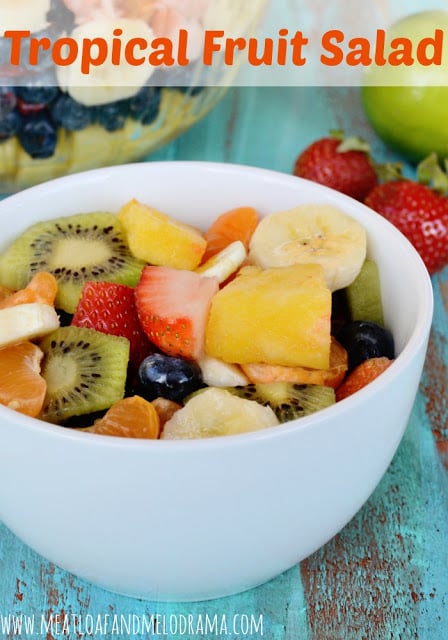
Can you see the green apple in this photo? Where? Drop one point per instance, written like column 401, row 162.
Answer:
column 407, row 106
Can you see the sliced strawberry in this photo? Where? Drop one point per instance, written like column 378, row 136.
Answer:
column 360, row 377
column 110, row 308
column 173, row 307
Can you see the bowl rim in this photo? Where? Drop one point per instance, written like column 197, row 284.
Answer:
column 417, row 340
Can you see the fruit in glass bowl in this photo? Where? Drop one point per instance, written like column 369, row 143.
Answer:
column 56, row 119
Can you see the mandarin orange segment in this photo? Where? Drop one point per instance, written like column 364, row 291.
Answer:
column 236, row 224
column 41, row 288
column 5, row 292
column 362, row 375
column 22, row 388
column 165, row 409
column 132, row 417
column 331, row 377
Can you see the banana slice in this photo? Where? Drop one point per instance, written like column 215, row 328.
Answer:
column 216, row 373
column 105, row 81
column 26, row 322
column 224, row 263
column 216, row 412
column 312, row 233
column 29, row 15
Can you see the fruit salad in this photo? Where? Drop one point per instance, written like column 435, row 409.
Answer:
column 56, row 119
column 136, row 324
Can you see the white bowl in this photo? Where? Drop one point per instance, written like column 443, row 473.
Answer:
column 193, row 520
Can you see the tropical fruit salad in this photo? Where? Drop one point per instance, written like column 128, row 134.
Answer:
column 136, row 324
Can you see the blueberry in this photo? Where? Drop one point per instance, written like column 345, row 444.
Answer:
column 41, row 95
column 9, row 125
column 364, row 340
column 38, row 135
column 70, row 114
column 8, row 101
column 112, row 116
column 187, row 80
column 145, row 105
column 168, row 377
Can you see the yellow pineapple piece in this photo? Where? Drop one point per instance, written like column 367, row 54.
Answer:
column 280, row 316
column 158, row 239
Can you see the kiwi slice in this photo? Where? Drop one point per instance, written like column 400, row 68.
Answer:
column 287, row 399
column 86, row 246
column 85, row 372
column 364, row 295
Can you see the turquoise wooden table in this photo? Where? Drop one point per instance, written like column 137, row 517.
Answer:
column 385, row 576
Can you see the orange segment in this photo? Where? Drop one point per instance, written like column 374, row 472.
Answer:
column 5, row 292
column 331, row 377
column 361, row 376
column 41, row 288
column 132, row 417
column 236, row 224
column 165, row 409
column 21, row 386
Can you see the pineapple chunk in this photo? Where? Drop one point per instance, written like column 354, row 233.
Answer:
column 160, row 240
column 280, row 316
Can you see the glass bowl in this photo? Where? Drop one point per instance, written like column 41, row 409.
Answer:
column 50, row 127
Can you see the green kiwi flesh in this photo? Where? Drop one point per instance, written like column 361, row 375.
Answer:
column 85, row 371
column 75, row 249
column 364, row 295
column 288, row 400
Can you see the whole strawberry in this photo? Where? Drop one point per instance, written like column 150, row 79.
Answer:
column 342, row 164
column 420, row 213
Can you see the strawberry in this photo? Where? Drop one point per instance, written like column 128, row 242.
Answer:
column 110, row 308
column 420, row 213
column 343, row 165
column 173, row 306
column 361, row 376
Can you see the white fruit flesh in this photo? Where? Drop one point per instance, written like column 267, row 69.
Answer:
column 26, row 322
column 216, row 373
column 105, row 82
column 312, row 233
column 224, row 263
column 216, row 412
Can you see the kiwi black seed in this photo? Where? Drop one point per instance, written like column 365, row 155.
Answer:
column 85, row 371
column 287, row 399
column 86, row 246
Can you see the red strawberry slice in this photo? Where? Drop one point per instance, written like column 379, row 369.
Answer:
column 173, row 307
column 110, row 308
